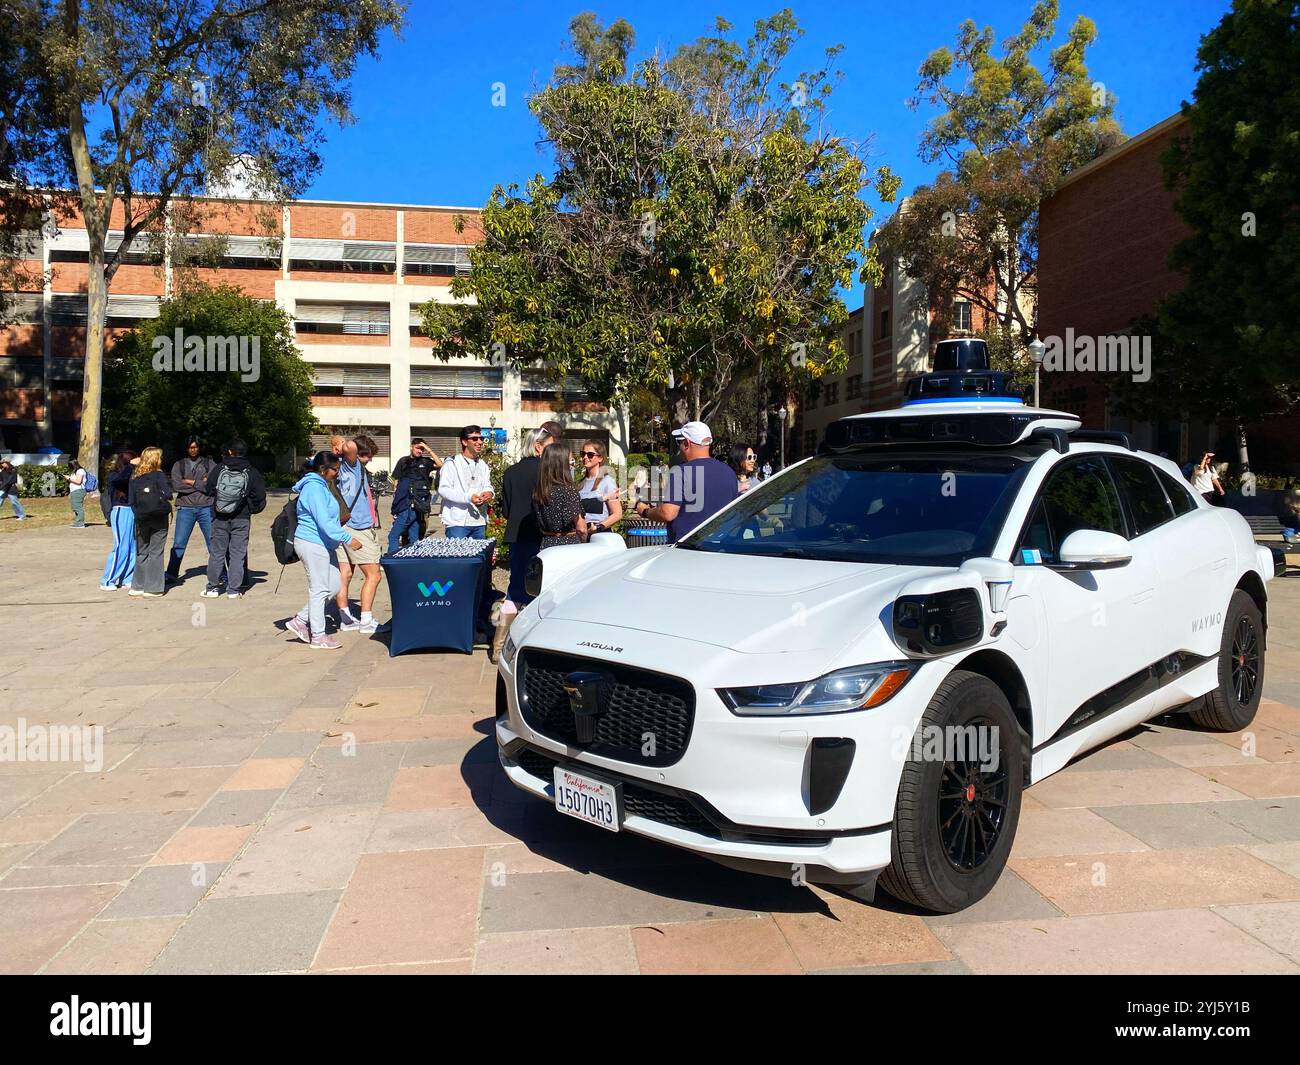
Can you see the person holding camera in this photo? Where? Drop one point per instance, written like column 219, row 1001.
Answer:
column 1205, row 482
column 412, row 494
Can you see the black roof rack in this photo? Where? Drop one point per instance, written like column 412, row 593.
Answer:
column 1058, row 438
column 1104, row 436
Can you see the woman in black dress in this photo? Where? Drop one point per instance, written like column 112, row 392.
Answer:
column 556, row 502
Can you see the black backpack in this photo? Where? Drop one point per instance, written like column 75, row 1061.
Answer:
column 150, row 500
column 283, row 530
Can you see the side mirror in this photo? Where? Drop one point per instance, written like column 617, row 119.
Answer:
column 1089, row 549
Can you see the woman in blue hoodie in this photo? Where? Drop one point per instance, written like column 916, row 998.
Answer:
column 318, row 534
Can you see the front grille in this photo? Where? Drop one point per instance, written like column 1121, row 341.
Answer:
column 667, row 809
column 642, row 710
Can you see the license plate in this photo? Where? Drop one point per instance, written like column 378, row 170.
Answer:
column 593, row 801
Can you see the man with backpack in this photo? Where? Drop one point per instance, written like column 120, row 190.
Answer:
column 412, row 494
column 193, row 504
column 238, row 492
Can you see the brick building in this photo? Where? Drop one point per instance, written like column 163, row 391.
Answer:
column 352, row 275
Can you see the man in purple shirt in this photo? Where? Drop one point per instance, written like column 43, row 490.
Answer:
column 698, row 487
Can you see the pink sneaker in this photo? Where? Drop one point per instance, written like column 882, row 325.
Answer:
column 296, row 626
column 325, row 643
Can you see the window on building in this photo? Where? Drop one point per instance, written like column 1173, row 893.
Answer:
column 342, row 256
column 435, row 260
column 448, row 382
column 370, row 381
column 961, row 316
column 21, row 372
column 832, row 393
column 884, row 323
column 352, row 319
column 810, row 442
column 538, row 384
column 810, row 400
column 853, row 386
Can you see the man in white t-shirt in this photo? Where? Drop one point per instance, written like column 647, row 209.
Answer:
column 465, row 485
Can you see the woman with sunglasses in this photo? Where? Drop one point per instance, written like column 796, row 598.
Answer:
column 743, row 461
column 598, row 491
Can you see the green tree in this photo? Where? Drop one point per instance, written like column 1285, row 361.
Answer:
column 148, row 99
column 1008, row 133
column 701, row 223
column 150, row 399
column 1227, row 342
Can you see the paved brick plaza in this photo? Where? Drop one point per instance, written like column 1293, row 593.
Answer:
column 230, row 831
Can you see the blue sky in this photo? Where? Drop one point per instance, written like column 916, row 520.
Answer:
column 443, row 142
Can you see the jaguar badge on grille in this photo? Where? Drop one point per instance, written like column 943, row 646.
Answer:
column 584, row 690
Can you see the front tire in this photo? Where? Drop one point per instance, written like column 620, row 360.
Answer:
column 956, row 814
column 1232, row 705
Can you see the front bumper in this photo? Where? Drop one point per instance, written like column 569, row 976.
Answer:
column 847, row 858
column 747, row 783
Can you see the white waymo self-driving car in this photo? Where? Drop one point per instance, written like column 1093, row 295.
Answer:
column 855, row 669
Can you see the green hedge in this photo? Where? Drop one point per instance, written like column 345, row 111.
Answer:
column 34, row 481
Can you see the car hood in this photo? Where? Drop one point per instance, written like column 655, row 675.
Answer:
column 749, row 604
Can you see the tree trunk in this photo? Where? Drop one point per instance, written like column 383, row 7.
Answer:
column 1243, row 455
column 92, row 387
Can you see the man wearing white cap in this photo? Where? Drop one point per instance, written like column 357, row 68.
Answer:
column 698, row 487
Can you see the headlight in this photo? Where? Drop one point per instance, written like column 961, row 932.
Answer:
column 856, row 688
column 510, row 649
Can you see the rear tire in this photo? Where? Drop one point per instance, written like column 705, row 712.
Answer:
column 1232, row 705
column 954, row 822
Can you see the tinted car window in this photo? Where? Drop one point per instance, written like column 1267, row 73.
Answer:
column 1178, row 494
column 1077, row 495
column 1146, row 499
column 935, row 509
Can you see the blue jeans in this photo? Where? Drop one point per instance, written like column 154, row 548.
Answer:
column 13, row 498
column 476, row 532
column 186, row 519
column 406, row 523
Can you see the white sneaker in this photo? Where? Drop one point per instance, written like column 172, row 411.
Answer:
column 367, row 628
column 135, row 591
column 347, row 623
column 211, row 593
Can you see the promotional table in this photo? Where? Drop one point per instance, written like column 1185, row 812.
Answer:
column 435, row 601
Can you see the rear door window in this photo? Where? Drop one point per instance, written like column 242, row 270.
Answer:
column 1147, row 504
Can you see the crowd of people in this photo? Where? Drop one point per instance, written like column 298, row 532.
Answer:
column 550, row 498
column 219, row 496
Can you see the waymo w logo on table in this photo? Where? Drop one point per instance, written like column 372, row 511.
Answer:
column 432, row 589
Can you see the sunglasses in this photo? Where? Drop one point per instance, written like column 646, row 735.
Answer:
column 590, row 455
column 751, row 458
column 474, row 439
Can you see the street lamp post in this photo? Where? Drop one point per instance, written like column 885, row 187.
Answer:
column 783, row 414
column 1036, row 350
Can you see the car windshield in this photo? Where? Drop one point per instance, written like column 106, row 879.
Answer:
column 913, row 509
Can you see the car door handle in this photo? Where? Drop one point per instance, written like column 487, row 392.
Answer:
column 1219, row 563
column 1144, row 595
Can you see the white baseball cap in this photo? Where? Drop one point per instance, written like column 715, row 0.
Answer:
column 695, row 432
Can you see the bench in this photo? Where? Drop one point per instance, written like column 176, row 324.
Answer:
column 1263, row 524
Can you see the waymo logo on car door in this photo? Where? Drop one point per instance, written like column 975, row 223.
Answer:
column 432, row 589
